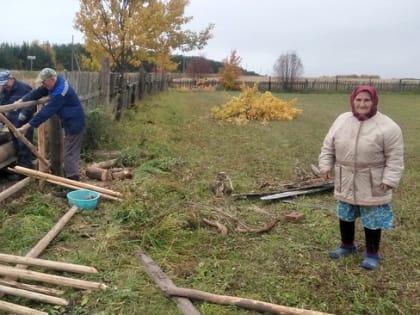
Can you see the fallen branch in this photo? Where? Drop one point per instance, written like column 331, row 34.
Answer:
column 241, row 302
column 263, row 229
column 220, row 227
column 162, row 281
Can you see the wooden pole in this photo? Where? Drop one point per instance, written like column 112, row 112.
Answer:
column 46, row 240
column 22, row 138
column 32, row 287
column 41, row 147
column 15, row 188
column 29, row 172
column 33, row 295
column 47, row 264
column 241, row 302
column 54, row 279
column 18, row 105
column 162, row 281
column 19, row 309
column 76, row 187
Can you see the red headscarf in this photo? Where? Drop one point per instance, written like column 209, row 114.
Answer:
column 373, row 95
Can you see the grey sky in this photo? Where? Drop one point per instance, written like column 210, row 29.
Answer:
column 374, row 37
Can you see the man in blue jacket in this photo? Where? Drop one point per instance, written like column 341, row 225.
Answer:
column 11, row 91
column 64, row 102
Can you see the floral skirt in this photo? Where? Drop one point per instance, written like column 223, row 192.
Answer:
column 373, row 217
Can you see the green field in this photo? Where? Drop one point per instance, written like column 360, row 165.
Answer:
column 177, row 151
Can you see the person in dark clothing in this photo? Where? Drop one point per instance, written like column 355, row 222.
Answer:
column 64, row 102
column 11, row 91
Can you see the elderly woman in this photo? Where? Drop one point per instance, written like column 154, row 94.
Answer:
column 365, row 149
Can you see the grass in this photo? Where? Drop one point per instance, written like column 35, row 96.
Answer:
column 177, row 151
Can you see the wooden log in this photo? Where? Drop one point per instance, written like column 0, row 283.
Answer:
column 48, row 278
column 32, row 287
column 38, row 174
column 46, row 240
column 95, row 172
column 162, row 281
column 33, row 295
column 15, row 188
column 19, row 309
column 47, row 264
column 241, row 302
column 121, row 174
column 22, row 138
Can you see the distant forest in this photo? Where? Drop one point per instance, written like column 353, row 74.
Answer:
column 35, row 56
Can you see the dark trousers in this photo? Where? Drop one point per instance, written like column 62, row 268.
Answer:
column 373, row 237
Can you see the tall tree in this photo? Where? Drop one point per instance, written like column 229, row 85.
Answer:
column 130, row 32
column 288, row 68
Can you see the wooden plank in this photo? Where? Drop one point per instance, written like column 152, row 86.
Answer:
column 294, row 193
column 163, row 282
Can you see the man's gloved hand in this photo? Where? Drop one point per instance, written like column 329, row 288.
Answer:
column 22, row 116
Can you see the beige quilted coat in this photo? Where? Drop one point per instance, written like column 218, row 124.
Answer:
column 363, row 154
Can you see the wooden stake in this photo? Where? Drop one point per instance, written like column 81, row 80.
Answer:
column 241, row 302
column 162, row 281
column 33, row 296
column 58, row 280
column 19, row 309
column 46, row 240
column 22, row 138
column 46, row 263
column 32, row 287
column 76, row 187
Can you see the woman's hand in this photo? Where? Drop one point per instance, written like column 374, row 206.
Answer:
column 385, row 187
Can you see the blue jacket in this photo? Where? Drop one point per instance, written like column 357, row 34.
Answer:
column 18, row 90
column 64, row 102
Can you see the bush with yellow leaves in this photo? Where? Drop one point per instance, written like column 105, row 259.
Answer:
column 254, row 105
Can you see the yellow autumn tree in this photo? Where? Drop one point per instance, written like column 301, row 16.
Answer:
column 231, row 71
column 129, row 32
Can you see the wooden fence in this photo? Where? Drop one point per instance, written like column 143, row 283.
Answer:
column 310, row 85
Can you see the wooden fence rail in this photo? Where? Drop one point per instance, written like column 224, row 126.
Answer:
column 311, row 85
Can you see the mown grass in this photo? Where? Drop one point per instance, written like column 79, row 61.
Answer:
column 177, row 150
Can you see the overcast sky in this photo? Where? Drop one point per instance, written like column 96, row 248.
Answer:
column 331, row 37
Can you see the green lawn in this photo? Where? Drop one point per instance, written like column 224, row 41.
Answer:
column 178, row 150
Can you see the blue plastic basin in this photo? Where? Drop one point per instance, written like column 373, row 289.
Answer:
column 83, row 199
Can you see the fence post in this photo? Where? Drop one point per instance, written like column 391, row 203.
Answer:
column 105, row 80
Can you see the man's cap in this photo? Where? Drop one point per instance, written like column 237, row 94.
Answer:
column 45, row 74
column 4, row 76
